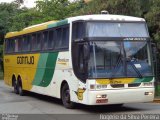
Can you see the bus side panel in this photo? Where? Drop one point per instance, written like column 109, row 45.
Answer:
column 51, row 73
column 21, row 65
column 64, row 72
column 44, row 73
column 8, row 69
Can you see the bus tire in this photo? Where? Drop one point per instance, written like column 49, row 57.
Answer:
column 66, row 97
column 20, row 89
column 15, row 87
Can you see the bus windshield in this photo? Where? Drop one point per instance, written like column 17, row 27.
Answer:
column 111, row 59
column 116, row 49
column 115, row 29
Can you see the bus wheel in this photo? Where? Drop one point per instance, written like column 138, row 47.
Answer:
column 20, row 89
column 15, row 87
column 66, row 97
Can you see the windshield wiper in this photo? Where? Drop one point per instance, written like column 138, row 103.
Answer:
column 135, row 69
column 118, row 63
column 116, row 67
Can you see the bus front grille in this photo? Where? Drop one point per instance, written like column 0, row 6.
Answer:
column 117, row 85
column 134, row 84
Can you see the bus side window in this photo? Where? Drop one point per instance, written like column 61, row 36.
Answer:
column 39, row 39
column 6, row 45
column 58, row 38
column 27, row 43
column 45, row 40
column 11, row 45
column 16, row 45
column 51, row 40
column 65, row 38
column 78, row 30
column 19, row 44
column 34, row 42
column 62, row 38
column 23, row 43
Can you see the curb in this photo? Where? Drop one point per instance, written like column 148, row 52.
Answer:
column 156, row 100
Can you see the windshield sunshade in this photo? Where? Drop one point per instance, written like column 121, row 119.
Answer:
column 105, row 29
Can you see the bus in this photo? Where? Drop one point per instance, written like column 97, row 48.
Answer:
column 98, row 59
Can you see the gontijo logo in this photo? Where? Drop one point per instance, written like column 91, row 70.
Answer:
column 25, row 60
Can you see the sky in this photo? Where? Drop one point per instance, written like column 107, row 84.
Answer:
column 27, row 3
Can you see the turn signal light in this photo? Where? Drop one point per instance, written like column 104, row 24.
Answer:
column 148, row 93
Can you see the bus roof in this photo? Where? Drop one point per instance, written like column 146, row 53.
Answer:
column 107, row 17
column 51, row 24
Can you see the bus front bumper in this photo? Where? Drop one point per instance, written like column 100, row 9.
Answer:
column 120, row 96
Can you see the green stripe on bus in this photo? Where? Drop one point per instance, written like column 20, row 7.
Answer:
column 62, row 22
column 50, row 68
column 40, row 69
column 145, row 79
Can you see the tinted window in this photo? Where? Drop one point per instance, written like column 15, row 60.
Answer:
column 20, row 43
column 65, row 37
column 62, row 38
column 11, row 45
column 51, row 39
column 39, row 38
column 23, row 43
column 6, row 45
column 27, row 43
column 45, row 40
column 34, row 42
column 58, row 38
column 78, row 30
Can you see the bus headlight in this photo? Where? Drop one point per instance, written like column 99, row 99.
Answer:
column 101, row 96
column 148, row 84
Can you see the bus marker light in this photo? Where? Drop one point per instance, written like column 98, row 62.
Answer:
column 92, row 86
column 104, row 96
column 101, row 100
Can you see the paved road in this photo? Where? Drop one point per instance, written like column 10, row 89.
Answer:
column 37, row 104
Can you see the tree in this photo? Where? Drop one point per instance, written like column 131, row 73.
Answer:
column 8, row 10
column 124, row 7
column 53, row 9
column 153, row 19
column 24, row 19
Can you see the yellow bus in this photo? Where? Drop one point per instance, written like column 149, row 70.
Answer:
column 91, row 59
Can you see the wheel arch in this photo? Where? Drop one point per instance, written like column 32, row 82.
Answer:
column 62, row 84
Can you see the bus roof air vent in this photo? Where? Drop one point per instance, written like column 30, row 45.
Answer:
column 104, row 12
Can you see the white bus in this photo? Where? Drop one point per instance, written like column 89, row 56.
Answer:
column 91, row 59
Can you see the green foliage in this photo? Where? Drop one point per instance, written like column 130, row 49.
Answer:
column 148, row 9
column 124, row 7
column 13, row 18
column 153, row 19
column 26, row 18
column 7, row 11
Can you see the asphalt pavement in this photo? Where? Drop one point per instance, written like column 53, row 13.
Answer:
column 43, row 107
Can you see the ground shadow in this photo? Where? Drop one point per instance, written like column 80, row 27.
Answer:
column 88, row 109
